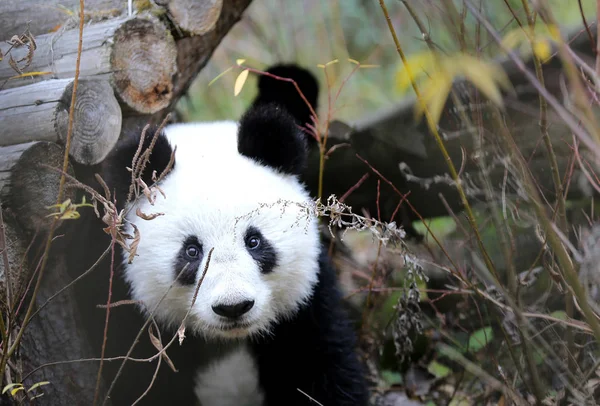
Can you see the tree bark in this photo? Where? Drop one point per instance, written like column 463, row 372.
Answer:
column 40, row 112
column 136, row 54
column 28, row 186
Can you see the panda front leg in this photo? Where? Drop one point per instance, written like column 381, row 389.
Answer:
column 311, row 358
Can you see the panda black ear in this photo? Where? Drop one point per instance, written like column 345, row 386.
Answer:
column 271, row 90
column 270, row 135
column 114, row 168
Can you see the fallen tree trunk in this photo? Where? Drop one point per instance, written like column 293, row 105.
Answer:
column 40, row 112
column 137, row 55
column 28, row 186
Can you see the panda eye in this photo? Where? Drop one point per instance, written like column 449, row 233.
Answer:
column 192, row 251
column 253, row 242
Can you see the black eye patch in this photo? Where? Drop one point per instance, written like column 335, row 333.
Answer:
column 190, row 253
column 260, row 249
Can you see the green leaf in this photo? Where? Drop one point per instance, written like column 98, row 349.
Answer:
column 10, row 386
column 37, row 385
column 480, row 339
column 391, row 377
column 559, row 314
column 438, row 370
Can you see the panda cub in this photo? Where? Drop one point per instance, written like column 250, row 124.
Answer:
column 234, row 226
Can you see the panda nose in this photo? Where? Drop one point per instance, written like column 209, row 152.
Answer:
column 233, row 311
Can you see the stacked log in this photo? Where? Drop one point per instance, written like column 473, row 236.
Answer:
column 136, row 55
column 40, row 112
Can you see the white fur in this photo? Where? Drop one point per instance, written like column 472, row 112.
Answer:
column 231, row 381
column 215, row 194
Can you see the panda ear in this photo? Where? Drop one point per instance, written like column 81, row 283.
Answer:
column 272, row 90
column 270, row 135
column 114, row 168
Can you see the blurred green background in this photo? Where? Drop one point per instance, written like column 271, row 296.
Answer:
column 313, row 32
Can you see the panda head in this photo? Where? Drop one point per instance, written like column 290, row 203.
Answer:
column 235, row 190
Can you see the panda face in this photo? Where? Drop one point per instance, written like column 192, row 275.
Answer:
column 253, row 217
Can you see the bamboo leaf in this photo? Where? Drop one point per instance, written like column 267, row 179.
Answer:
column 10, row 386
column 240, row 81
column 37, row 385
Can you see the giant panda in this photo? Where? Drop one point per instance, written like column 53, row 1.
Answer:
column 235, row 251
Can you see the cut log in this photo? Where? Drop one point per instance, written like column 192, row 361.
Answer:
column 40, row 112
column 46, row 16
column 137, row 54
column 143, row 60
column 193, row 16
column 193, row 53
column 27, row 186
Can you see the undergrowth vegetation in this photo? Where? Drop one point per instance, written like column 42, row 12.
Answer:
column 498, row 303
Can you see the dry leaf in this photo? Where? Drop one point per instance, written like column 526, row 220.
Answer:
column 158, row 345
column 147, row 216
column 239, row 82
column 134, row 244
column 13, row 64
column 181, row 333
column 15, row 40
column 151, row 196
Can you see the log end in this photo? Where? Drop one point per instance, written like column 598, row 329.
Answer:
column 96, row 124
column 143, row 60
column 196, row 17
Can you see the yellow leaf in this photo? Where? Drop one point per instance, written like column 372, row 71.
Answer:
column 434, row 96
column 542, row 50
column 240, row 81
column 416, row 65
column 436, row 104
column 28, row 74
column 239, row 61
column 485, row 76
column 513, row 38
column 16, row 389
column 554, row 32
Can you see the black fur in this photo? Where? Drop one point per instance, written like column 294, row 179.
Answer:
column 115, row 174
column 264, row 254
column 314, row 352
column 188, row 277
column 269, row 135
column 285, row 94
